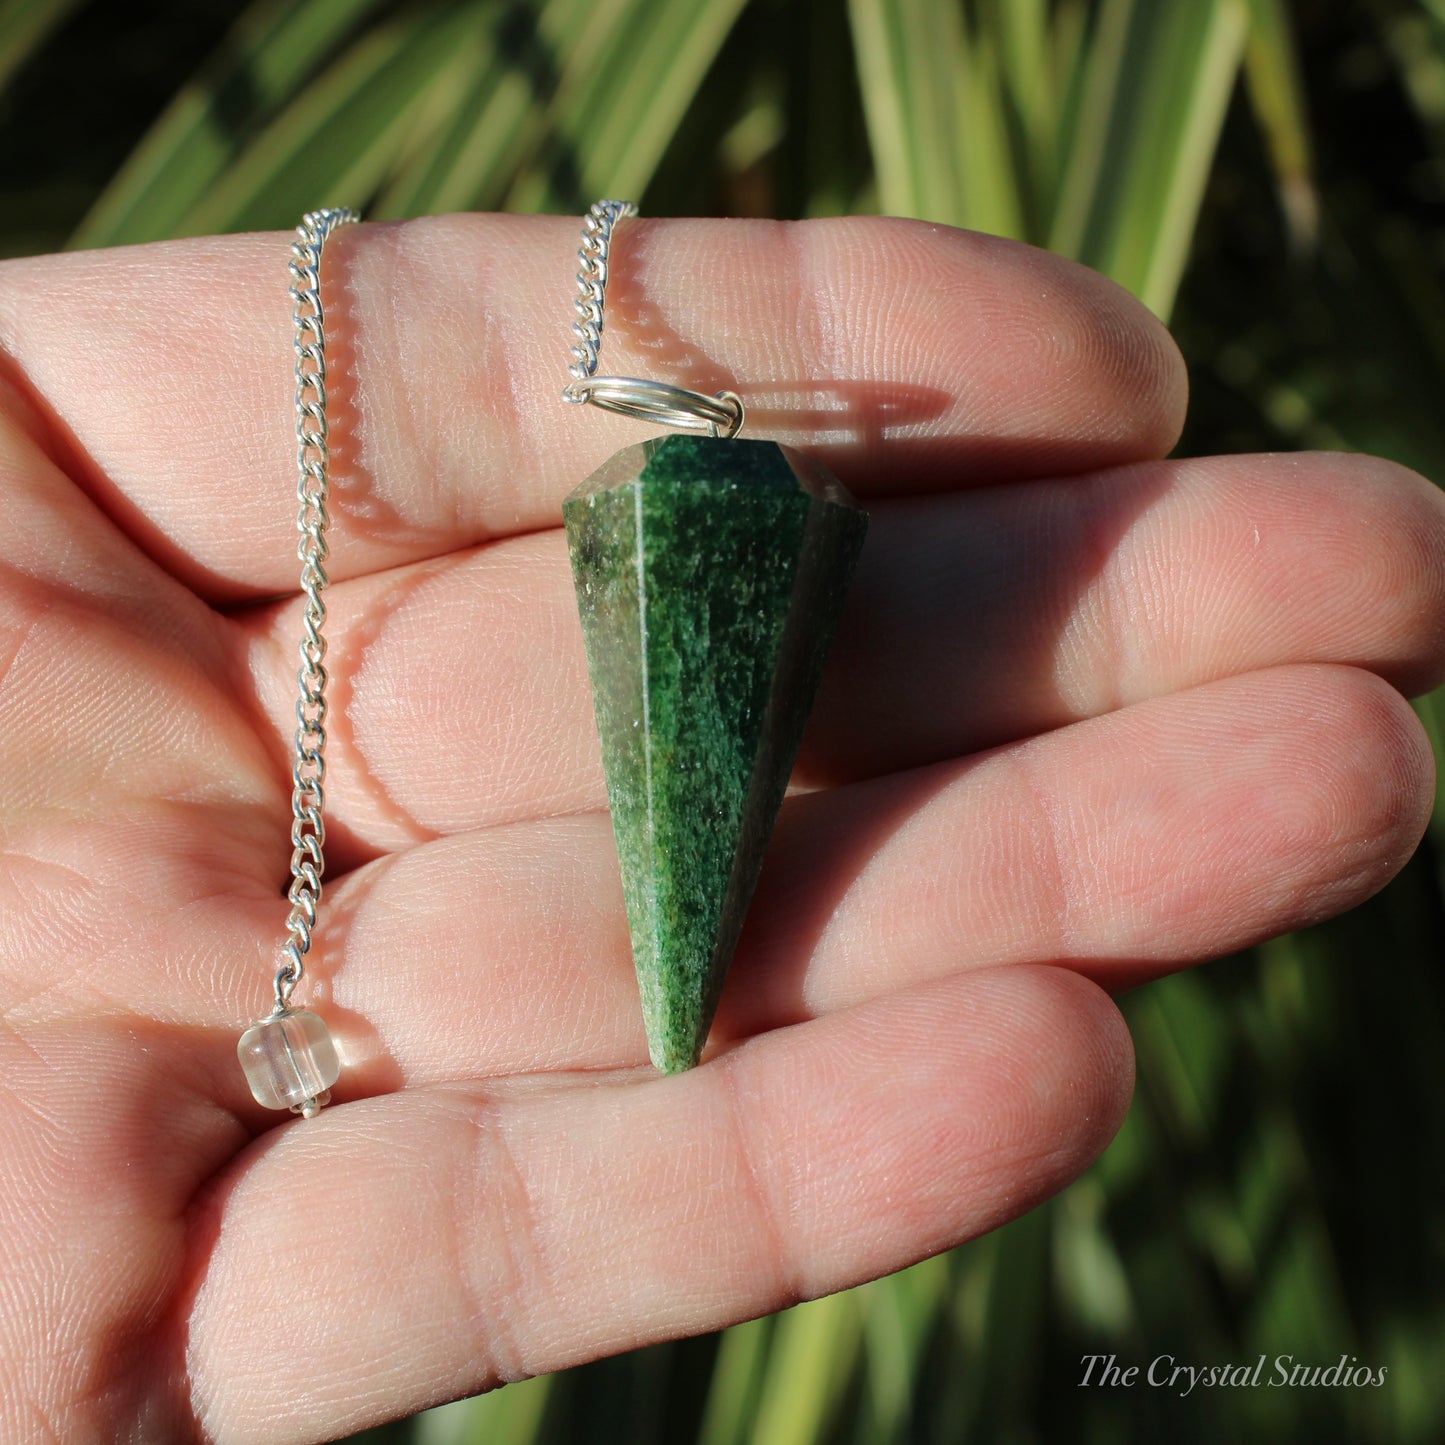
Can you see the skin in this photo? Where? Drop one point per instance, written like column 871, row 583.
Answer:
column 1092, row 716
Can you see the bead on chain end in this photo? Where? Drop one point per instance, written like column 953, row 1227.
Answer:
column 288, row 1058
column 290, row 1061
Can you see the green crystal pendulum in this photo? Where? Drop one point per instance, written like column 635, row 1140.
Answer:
column 710, row 575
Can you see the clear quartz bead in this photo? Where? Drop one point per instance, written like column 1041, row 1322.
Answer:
column 290, row 1061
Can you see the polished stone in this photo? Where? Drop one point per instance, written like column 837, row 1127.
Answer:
column 289, row 1061
column 710, row 576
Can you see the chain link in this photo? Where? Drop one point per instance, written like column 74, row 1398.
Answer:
column 308, row 771
column 591, row 301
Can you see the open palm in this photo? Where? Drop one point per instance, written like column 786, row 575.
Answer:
column 1091, row 716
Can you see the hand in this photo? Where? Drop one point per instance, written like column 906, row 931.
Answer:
column 1092, row 716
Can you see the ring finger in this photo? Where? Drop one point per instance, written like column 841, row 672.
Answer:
column 1125, row 846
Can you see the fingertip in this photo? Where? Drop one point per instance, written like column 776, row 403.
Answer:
column 932, row 1116
column 1386, row 774
column 1063, row 1045
column 1331, row 781
column 1090, row 373
column 1413, row 574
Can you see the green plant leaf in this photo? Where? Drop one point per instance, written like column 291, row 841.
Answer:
column 912, row 59
column 470, row 159
column 348, row 126
column 512, row 1414
column 499, row 123
column 273, row 49
column 736, row 1379
column 1271, row 68
column 626, row 83
column 1029, row 89
column 24, row 28
column 900, row 1313
column 1159, row 76
column 935, row 98
column 808, row 1366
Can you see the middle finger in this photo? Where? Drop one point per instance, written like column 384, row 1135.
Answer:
column 461, row 689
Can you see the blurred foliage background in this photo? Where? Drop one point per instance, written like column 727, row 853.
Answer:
column 1269, row 176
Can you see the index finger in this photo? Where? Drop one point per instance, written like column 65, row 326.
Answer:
column 907, row 357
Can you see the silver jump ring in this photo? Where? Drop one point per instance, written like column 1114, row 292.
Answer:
column 650, row 401
column 663, row 403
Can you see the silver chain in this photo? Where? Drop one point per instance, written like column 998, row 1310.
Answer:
column 313, row 488
column 591, row 300
column 652, row 401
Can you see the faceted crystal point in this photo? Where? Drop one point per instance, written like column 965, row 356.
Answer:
column 710, row 577
column 290, row 1061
